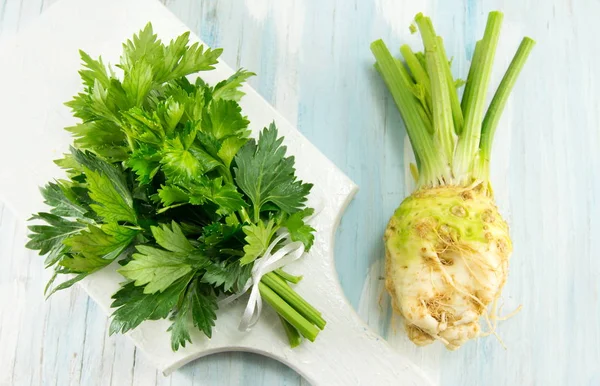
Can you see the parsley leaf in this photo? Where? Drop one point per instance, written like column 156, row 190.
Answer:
column 266, row 175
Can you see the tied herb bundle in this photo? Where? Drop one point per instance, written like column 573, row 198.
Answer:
column 164, row 180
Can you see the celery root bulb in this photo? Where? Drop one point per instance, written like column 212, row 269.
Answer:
column 447, row 246
column 447, row 252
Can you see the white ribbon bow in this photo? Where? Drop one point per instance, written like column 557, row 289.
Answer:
column 291, row 251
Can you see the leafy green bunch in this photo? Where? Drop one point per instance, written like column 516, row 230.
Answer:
column 164, row 181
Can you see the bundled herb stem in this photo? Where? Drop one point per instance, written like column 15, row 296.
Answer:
column 164, row 178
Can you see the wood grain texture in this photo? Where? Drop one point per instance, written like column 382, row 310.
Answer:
column 314, row 65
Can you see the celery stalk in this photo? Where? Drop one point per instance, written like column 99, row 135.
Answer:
column 443, row 125
column 468, row 141
column 492, row 117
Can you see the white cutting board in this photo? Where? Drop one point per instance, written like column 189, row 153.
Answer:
column 39, row 73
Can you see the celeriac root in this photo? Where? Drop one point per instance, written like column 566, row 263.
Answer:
column 447, row 253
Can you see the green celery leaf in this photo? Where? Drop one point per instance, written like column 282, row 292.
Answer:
column 156, row 269
column 145, row 45
column 137, row 82
column 266, row 175
column 224, row 195
column 182, row 164
column 170, row 112
column 145, row 162
column 189, row 96
column 230, row 276
column 179, row 329
column 100, row 103
column 48, row 239
column 111, row 204
column 69, row 164
column 258, row 238
column 224, row 118
column 172, row 194
column 219, row 234
column 209, row 143
column 230, row 89
column 199, row 306
column 114, row 173
column 172, row 238
column 64, row 285
column 230, row 147
column 299, row 230
column 81, row 264
column 93, row 69
column 194, row 59
column 106, row 242
column 169, row 62
column 172, row 55
column 134, row 305
column 62, row 200
column 143, row 126
column 103, row 137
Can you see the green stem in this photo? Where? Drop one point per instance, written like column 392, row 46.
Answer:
column 492, row 117
column 457, row 115
column 443, row 125
column 244, row 215
column 468, row 142
column 129, row 142
column 287, row 276
column 282, row 289
column 292, row 333
column 418, row 72
column 421, row 58
column 475, row 61
column 305, row 328
column 256, row 213
column 409, row 106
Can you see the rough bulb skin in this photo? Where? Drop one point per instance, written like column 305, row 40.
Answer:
column 447, row 252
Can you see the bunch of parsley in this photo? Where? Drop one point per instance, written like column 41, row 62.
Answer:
column 164, row 180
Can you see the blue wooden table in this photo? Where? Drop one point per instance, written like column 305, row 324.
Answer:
column 314, row 65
